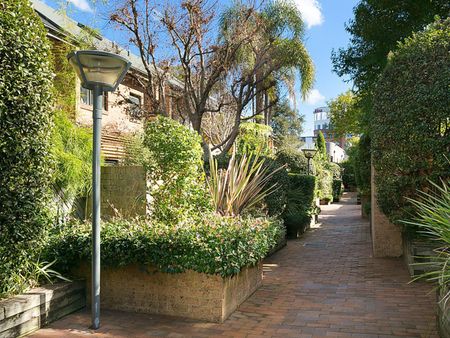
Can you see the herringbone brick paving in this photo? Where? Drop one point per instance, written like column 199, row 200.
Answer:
column 325, row 284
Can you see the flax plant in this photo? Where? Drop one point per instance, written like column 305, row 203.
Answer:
column 433, row 221
column 241, row 186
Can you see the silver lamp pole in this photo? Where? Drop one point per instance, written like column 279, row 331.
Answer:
column 98, row 71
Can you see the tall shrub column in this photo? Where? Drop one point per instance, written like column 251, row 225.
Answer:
column 25, row 125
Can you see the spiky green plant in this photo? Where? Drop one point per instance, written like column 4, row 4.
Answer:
column 433, row 221
column 241, row 186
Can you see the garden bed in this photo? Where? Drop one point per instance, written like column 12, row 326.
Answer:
column 443, row 315
column 190, row 294
column 418, row 252
column 22, row 314
column 200, row 269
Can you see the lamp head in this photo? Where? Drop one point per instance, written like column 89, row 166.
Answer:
column 97, row 68
column 309, row 153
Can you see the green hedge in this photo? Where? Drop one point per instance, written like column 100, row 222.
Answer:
column 301, row 204
column 212, row 245
column 337, row 190
column 410, row 128
column 25, row 130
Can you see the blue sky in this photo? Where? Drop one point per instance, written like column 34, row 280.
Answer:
column 324, row 20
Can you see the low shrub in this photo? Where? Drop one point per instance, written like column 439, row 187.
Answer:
column 324, row 181
column 212, row 244
column 348, row 175
column 294, row 160
column 173, row 158
column 276, row 201
column 337, row 190
column 300, row 203
column 254, row 138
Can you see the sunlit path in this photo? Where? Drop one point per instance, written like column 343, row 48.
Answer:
column 325, row 284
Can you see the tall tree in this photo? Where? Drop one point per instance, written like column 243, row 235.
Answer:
column 267, row 60
column 287, row 124
column 321, row 146
column 375, row 31
column 345, row 114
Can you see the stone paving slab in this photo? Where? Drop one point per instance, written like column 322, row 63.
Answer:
column 325, row 284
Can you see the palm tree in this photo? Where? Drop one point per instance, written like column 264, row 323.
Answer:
column 274, row 55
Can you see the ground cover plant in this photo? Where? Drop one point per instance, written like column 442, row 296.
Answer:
column 212, row 244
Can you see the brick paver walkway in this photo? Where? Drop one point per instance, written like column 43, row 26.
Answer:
column 325, row 284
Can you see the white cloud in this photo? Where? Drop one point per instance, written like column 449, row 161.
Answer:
column 314, row 97
column 311, row 12
column 82, row 5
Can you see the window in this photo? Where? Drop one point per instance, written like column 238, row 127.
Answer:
column 135, row 102
column 87, row 98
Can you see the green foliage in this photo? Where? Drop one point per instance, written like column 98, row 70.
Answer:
column 72, row 151
column 321, row 147
column 345, row 114
column 243, row 185
column 348, row 175
column 173, row 161
column 25, row 157
column 361, row 160
column 293, row 158
column 301, row 203
column 135, row 151
column 210, row 244
column 286, row 124
column 276, row 201
column 411, row 126
column 337, row 190
column 254, row 138
column 432, row 218
column 375, row 31
column 324, row 181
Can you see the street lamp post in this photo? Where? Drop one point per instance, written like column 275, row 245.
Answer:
column 309, row 154
column 99, row 72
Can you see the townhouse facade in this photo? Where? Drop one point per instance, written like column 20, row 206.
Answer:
column 122, row 110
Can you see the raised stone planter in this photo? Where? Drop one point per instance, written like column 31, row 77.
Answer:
column 22, row 314
column 418, row 251
column 190, row 294
column 443, row 315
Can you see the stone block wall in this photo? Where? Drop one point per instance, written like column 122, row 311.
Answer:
column 190, row 294
column 22, row 314
column 386, row 237
column 443, row 315
column 123, row 192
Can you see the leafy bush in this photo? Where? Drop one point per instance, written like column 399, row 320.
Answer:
column 348, row 175
column 211, row 244
column 301, row 203
column 25, row 126
column 173, row 160
column 410, row 127
column 276, row 201
column 72, row 151
column 254, row 138
column 243, row 185
column 361, row 159
column 432, row 219
column 324, row 180
column 337, row 190
column 294, row 160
